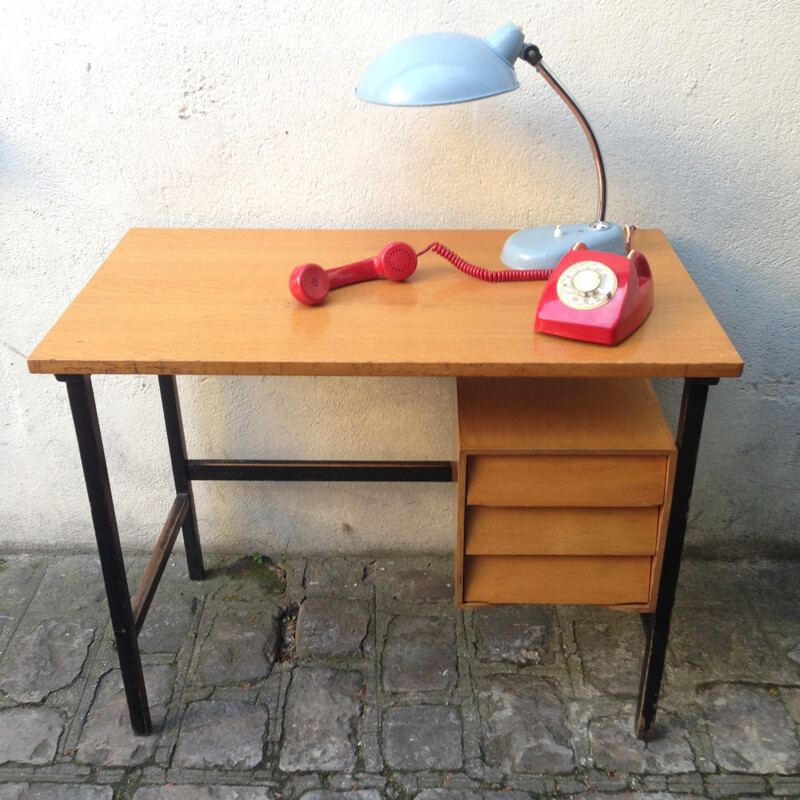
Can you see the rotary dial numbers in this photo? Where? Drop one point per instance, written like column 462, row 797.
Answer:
column 586, row 285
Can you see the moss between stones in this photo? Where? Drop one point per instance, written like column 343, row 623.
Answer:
column 261, row 569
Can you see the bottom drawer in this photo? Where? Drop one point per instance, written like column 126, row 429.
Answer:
column 595, row 580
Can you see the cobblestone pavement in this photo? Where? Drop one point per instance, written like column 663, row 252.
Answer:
column 356, row 679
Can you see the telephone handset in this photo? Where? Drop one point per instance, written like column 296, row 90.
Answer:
column 310, row 284
column 596, row 297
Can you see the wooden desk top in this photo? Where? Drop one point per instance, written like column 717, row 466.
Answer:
column 203, row 302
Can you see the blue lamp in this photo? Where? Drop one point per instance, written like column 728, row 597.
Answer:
column 441, row 68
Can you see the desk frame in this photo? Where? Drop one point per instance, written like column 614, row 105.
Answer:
column 128, row 612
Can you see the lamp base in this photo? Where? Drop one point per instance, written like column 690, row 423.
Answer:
column 544, row 247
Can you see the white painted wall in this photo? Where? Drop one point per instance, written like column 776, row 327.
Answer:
column 213, row 113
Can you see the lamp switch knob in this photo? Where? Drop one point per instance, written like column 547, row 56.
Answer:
column 558, row 233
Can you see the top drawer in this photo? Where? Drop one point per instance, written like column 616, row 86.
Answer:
column 566, row 480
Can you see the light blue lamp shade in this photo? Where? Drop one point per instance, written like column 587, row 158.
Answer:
column 440, row 68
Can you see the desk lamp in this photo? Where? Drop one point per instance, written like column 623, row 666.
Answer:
column 442, row 68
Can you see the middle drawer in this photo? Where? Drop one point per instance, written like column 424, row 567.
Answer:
column 494, row 530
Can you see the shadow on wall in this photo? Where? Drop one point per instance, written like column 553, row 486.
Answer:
column 323, row 418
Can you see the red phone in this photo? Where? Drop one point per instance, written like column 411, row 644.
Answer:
column 596, row 297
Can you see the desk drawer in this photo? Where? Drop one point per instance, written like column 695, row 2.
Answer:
column 566, row 480
column 560, row 531
column 608, row 580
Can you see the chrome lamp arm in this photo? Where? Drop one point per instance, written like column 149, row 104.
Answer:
column 530, row 53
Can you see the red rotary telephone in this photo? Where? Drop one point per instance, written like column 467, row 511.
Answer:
column 596, row 297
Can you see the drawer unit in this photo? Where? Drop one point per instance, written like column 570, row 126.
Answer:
column 562, row 492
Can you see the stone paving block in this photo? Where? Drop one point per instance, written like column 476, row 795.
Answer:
column 299, row 784
column 537, row 785
column 226, row 735
column 598, row 781
column 774, row 592
column 516, row 634
column 459, row 794
column 12, row 791
column 19, row 578
column 735, row 785
column 658, row 783
column 342, row 782
column 396, row 579
column 750, row 730
column 790, row 695
column 422, row 737
column 193, row 792
column 611, row 646
column 107, row 738
column 329, row 627
column 75, row 583
column 167, row 622
column 614, row 747
column 691, row 783
column 785, row 787
column 635, row 796
column 403, row 784
column 524, row 727
column 241, row 646
column 459, row 781
column 47, row 659
column 727, row 645
column 29, row 735
column 337, row 577
column 319, row 720
column 358, row 794
column 62, row 791
column 420, row 654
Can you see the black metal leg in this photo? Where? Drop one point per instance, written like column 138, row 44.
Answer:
column 656, row 625
column 90, row 444
column 183, row 486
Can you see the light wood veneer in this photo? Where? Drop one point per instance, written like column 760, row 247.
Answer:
column 194, row 302
column 562, row 493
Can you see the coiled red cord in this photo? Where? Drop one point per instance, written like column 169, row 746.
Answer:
column 492, row 275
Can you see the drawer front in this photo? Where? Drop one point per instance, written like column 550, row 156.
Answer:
column 566, row 480
column 490, row 530
column 557, row 579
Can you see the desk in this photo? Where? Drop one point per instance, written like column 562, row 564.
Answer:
column 201, row 302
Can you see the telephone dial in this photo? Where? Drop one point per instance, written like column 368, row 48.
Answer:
column 591, row 295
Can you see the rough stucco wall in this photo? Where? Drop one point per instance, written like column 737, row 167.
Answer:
column 208, row 113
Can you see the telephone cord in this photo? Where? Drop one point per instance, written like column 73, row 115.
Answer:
column 492, row 275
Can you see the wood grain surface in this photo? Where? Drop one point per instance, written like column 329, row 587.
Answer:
column 206, row 301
